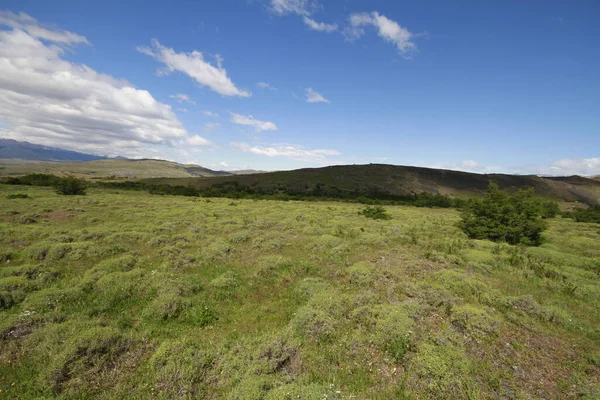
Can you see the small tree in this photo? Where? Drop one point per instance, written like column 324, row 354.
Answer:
column 501, row 217
column 71, row 186
column 375, row 212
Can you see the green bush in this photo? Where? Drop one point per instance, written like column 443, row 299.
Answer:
column 71, row 186
column 591, row 214
column 375, row 212
column 549, row 209
column 18, row 196
column 515, row 219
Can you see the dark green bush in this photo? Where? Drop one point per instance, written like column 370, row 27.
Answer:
column 375, row 212
column 70, row 186
column 591, row 214
column 515, row 219
column 18, row 196
column 549, row 209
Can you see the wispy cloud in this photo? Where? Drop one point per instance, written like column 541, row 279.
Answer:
column 30, row 25
column 577, row 166
column 196, row 67
column 209, row 126
column 196, row 140
column 289, row 151
column 319, row 26
column 265, row 85
column 249, row 120
column 391, row 31
column 207, row 113
column 314, row 97
column 300, row 7
column 183, row 98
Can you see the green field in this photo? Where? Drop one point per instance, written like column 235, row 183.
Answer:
column 126, row 295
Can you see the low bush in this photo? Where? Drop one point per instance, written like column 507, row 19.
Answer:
column 71, row 186
column 18, row 196
column 591, row 214
column 375, row 212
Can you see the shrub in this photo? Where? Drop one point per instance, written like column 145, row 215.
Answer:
column 18, row 196
column 549, row 209
column 375, row 212
column 504, row 218
column 591, row 214
column 71, row 186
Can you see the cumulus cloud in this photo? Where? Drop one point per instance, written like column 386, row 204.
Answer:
column 314, row 97
column 48, row 100
column 196, row 67
column 183, row 98
column 289, row 151
column 249, row 120
column 389, row 30
column 265, row 85
column 30, row 25
column 319, row 26
column 207, row 113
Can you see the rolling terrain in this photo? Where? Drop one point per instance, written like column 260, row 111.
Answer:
column 114, row 168
column 123, row 294
column 401, row 181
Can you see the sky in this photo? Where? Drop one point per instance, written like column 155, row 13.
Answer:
column 479, row 86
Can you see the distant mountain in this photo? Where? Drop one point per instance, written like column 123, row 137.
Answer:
column 10, row 148
column 114, row 167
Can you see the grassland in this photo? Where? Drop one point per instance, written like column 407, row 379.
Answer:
column 122, row 294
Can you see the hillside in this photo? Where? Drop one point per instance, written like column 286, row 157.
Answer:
column 120, row 168
column 14, row 149
column 400, row 180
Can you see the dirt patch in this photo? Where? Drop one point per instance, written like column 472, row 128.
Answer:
column 59, row 216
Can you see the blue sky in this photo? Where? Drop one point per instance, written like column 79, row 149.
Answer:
column 493, row 86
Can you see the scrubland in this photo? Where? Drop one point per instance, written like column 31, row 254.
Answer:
column 122, row 294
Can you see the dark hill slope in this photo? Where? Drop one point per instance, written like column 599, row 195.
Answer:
column 400, row 180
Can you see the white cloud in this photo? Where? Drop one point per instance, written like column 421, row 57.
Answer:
column 207, row 113
column 580, row 166
column 466, row 166
column 48, row 100
column 211, row 125
column 196, row 140
column 265, row 85
column 314, row 97
column 183, row 98
column 289, row 151
column 388, row 29
column 30, row 25
column 284, row 7
column 249, row 120
column 194, row 65
column 319, row 26
column 183, row 109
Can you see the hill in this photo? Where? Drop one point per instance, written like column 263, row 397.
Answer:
column 116, row 167
column 14, row 149
column 337, row 181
